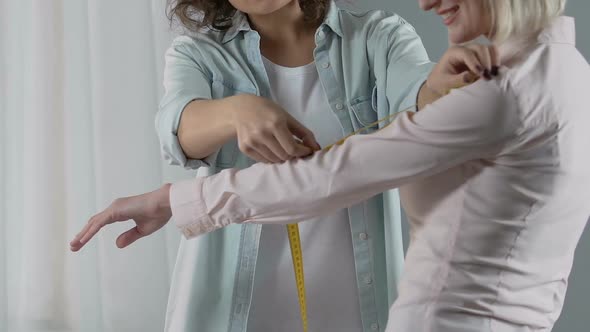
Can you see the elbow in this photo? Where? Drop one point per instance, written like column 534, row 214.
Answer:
column 186, row 144
column 183, row 139
column 174, row 140
column 172, row 152
column 170, row 148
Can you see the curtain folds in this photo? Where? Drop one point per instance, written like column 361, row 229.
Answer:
column 80, row 83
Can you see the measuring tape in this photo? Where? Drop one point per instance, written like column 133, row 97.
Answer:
column 295, row 243
column 293, row 229
column 295, row 240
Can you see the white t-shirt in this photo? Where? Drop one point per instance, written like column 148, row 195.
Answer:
column 330, row 279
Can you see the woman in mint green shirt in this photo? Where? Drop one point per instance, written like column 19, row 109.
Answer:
column 217, row 112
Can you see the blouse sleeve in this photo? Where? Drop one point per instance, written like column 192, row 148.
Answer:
column 476, row 122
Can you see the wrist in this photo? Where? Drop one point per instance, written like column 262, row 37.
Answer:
column 164, row 196
column 430, row 89
column 231, row 109
column 426, row 96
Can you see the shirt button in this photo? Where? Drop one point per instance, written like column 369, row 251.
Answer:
column 363, row 236
column 374, row 326
column 339, row 106
column 326, row 65
column 368, row 280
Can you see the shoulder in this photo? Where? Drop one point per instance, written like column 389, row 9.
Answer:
column 200, row 48
column 379, row 30
column 371, row 18
column 548, row 78
column 198, row 41
column 497, row 92
column 489, row 107
column 375, row 23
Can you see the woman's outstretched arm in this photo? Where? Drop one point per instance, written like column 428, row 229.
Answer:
column 472, row 123
column 480, row 121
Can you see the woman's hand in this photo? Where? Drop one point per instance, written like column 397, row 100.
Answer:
column 462, row 65
column 267, row 133
column 150, row 211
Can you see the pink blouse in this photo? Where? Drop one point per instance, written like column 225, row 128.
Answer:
column 495, row 180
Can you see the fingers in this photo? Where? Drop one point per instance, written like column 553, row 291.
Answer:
column 265, row 133
column 485, row 60
column 129, row 237
column 304, row 150
column 463, row 65
column 252, row 154
column 276, row 143
column 92, row 227
column 461, row 80
column 262, row 145
column 96, row 223
column 488, row 59
column 469, row 58
column 304, row 134
column 290, row 144
column 248, row 146
column 267, row 154
column 275, row 147
column 495, row 58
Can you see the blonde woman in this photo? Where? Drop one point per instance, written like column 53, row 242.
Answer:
column 252, row 80
column 494, row 178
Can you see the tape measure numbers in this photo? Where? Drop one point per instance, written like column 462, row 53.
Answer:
column 296, row 254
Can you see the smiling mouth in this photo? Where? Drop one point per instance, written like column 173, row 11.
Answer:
column 449, row 15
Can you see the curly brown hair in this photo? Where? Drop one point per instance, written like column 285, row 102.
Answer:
column 217, row 14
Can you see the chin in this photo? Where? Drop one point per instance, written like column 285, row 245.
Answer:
column 459, row 37
column 259, row 7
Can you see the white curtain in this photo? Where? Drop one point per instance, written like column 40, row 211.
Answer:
column 79, row 85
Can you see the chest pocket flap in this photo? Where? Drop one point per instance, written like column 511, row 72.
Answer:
column 364, row 114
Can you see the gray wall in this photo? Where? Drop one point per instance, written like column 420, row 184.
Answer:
column 576, row 315
column 434, row 34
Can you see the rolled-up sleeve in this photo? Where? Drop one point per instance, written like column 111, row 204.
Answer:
column 184, row 81
column 476, row 122
column 404, row 69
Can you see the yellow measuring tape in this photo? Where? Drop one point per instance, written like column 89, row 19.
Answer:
column 293, row 229
column 295, row 240
column 295, row 243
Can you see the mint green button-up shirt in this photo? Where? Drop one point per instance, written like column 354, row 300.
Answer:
column 369, row 65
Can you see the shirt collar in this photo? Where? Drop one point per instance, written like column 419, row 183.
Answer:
column 561, row 30
column 240, row 23
column 332, row 19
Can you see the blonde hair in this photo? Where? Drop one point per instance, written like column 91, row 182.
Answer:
column 515, row 18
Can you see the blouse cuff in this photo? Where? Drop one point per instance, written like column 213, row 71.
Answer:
column 189, row 209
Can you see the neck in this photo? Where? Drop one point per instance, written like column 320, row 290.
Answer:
column 286, row 25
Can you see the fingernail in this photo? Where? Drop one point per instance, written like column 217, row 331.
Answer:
column 487, row 75
column 495, row 70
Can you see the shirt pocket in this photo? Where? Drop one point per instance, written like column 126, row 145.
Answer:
column 364, row 114
column 229, row 152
